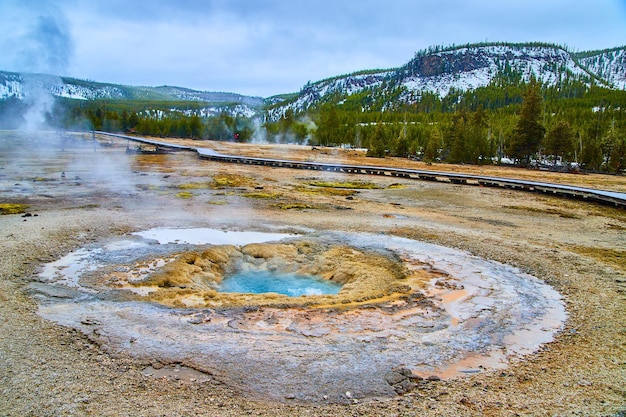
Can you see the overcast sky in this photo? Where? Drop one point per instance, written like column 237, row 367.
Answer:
column 268, row 47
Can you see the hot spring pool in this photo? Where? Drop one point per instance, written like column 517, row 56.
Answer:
column 448, row 314
column 293, row 285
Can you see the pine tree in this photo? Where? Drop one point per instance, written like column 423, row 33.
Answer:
column 560, row 140
column 456, row 142
column 327, row 126
column 401, row 146
column 478, row 145
column 528, row 134
column 614, row 150
column 431, row 149
column 378, row 142
column 195, row 127
column 133, row 121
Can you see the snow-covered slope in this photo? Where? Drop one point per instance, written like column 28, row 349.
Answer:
column 13, row 85
column 187, row 94
column 610, row 65
column 20, row 86
column 10, row 86
column 344, row 86
column 441, row 70
column 468, row 68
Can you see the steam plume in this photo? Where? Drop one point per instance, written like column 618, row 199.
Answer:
column 35, row 39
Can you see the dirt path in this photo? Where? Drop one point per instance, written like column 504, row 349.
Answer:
column 47, row 369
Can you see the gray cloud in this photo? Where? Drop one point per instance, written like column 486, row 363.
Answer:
column 275, row 46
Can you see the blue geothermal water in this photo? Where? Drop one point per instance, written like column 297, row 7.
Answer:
column 259, row 282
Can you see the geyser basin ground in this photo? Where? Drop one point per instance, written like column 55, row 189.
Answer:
column 576, row 247
column 403, row 303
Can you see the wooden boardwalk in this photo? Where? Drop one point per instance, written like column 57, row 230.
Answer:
column 611, row 198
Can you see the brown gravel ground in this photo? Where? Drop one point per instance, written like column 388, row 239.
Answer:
column 579, row 248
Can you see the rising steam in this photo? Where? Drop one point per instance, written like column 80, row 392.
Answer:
column 35, row 39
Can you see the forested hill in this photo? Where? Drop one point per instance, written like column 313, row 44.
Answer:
column 531, row 104
column 437, row 71
column 451, row 71
column 18, row 86
column 609, row 65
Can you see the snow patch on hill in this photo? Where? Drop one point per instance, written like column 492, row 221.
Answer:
column 347, row 85
column 83, row 93
column 441, row 84
column 11, row 89
column 240, row 110
column 609, row 65
column 473, row 67
column 18, row 86
column 21, row 86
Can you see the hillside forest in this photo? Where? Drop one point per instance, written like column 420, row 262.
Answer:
column 508, row 121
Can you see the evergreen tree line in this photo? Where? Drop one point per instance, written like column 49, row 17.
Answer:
column 524, row 123
column 153, row 122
